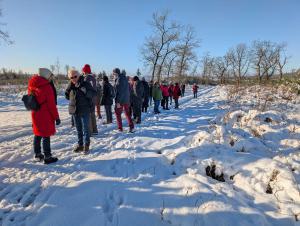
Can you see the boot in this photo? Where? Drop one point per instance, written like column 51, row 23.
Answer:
column 79, row 148
column 39, row 157
column 86, row 149
column 50, row 159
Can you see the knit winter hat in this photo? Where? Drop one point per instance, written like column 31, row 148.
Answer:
column 117, row 71
column 135, row 78
column 72, row 73
column 45, row 73
column 105, row 78
column 87, row 69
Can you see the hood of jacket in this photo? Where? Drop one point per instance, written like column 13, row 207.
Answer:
column 37, row 81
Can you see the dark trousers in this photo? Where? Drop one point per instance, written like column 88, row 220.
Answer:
column 72, row 121
column 156, row 106
column 46, row 145
column 195, row 94
column 165, row 102
column 182, row 93
column 176, row 103
column 82, row 123
column 144, row 109
column 171, row 100
column 137, row 112
column 93, row 121
column 108, row 113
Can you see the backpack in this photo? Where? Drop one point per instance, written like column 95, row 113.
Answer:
column 30, row 102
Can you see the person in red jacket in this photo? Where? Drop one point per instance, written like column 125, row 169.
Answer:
column 176, row 94
column 195, row 90
column 171, row 87
column 165, row 93
column 44, row 119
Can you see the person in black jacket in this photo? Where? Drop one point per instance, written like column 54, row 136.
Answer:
column 80, row 94
column 138, row 96
column 107, row 98
column 146, row 95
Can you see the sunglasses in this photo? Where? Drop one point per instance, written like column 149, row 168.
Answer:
column 73, row 77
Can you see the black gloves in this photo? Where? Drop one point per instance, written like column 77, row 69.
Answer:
column 57, row 121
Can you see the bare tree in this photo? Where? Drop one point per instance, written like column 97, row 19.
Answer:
column 57, row 65
column 282, row 59
column 169, row 63
column 269, row 62
column 207, row 67
column 257, row 55
column 138, row 72
column 220, row 68
column 170, row 48
column 186, row 51
column 3, row 34
column 239, row 60
column 154, row 49
column 52, row 68
column 67, row 67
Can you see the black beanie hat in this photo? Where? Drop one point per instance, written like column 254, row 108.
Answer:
column 105, row 78
column 117, row 71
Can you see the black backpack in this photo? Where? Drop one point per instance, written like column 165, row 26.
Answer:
column 30, row 102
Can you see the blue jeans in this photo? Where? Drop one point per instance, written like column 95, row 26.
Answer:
column 82, row 123
column 156, row 105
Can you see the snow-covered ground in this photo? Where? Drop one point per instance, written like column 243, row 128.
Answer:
column 161, row 174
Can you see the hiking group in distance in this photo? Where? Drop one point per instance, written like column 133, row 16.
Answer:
column 86, row 94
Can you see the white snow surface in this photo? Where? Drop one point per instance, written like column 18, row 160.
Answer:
column 156, row 176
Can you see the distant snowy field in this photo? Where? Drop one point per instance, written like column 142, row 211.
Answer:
column 161, row 174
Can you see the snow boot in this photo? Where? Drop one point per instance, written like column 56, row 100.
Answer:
column 39, row 157
column 50, row 159
column 78, row 148
column 131, row 130
column 86, row 149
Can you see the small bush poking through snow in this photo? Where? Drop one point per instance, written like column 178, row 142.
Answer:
column 213, row 173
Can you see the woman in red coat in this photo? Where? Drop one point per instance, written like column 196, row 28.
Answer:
column 43, row 120
column 165, row 93
column 176, row 94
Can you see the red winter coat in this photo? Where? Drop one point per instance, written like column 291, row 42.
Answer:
column 176, row 92
column 195, row 88
column 164, row 90
column 43, row 120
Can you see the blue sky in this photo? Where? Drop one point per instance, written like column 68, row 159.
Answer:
column 108, row 34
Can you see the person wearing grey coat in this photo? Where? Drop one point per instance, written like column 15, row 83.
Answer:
column 122, row 99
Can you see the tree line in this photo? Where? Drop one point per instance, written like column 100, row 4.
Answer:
column 170, row 51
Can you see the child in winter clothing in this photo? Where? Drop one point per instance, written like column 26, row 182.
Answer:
column 44, row 119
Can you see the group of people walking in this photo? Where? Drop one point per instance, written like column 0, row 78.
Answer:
column 86, row 95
